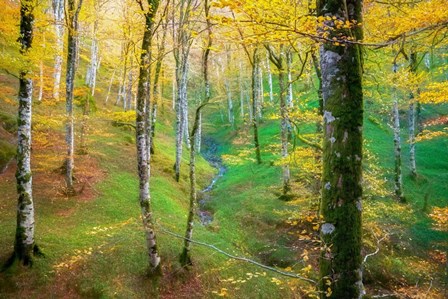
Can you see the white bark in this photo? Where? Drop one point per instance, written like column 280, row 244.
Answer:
column 397, row 151
column 94, row 61
column 25, row 207
column 58, row 13
column 41, row 80
column 268, row 68
column 110, row 87
column 412, row 138
column 289, row 99
column 230, row 115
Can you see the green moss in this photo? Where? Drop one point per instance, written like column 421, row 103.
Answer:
column 8, row 122
column 7, row 152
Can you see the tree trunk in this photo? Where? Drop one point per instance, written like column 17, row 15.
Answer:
column 289, row 100
column 341, row 234
column 413, row 70
column 398, row 187
column 41, row 80
column 181, row 35
column 284, row 129
column 256, row 61
column 240, row 84
column 229, row 102
column 271, row 91
column 24, row 245
column 110, row 87
column 259, row 88
column 73, row 13
column 185, row 258
column 143, row 157
column 93, row 68
column 412, row 138
column 58, row 11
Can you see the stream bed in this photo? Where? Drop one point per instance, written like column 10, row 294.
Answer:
column 210, row 153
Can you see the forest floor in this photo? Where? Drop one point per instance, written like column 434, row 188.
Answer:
column 94, row 244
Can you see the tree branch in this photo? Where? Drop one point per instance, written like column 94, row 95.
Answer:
column 288, row 274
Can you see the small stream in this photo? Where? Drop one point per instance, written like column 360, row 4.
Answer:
column 211, row 154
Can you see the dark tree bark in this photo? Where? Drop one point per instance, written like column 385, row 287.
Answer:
column 341, row 67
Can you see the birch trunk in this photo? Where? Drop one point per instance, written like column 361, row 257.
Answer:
column 93, row 67
column 24, row 245
column 73, row 13
column 229, row 102
column 255, row 63
column 268, row 68
column 41, row 80
column 289, row 97
column 412, row 162
column 413, row 69
column 341, row 232
column 110, row 87
column 182, row 37
column 58, row 12
column 279, row 62
column 259, row 87
column 284, row 131
column 143, row 157
column 127, row 102
column 156, row 92
column 398, row 186
column 185, row 258
column 240, row 84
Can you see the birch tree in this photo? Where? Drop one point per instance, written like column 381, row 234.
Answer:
column 156, row 84
column 182, row 45
column 340, row 260
column 412, row 69
column 24, row 244
column 279, row 60
column 58, row 13
column 398, row 177
column 185, row 257
column 142, row 117
column 73, row 9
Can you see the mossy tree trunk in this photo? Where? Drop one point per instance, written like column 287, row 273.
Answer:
column 72, row 13
column 341, row 67
column 24, row 240
column 143, row 157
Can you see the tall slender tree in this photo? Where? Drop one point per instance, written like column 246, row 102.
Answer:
column 341, row 67
column 24, row 245
column 142, row 121
column 183, row 40
column 185, row 257
column 398, row 176
column 58, row 13
column 73, row 9
column 279, row 60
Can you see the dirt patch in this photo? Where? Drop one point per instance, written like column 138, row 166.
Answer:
column 181, row 284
